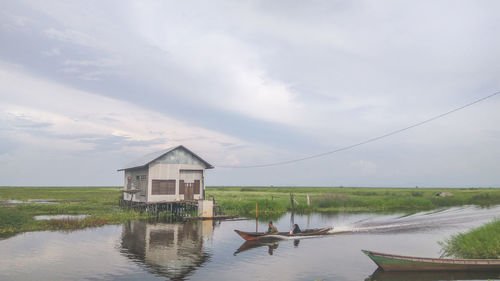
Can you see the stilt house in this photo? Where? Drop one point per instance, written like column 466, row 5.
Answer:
column 172, row 175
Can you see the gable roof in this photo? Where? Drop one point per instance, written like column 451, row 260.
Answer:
column 147, row 159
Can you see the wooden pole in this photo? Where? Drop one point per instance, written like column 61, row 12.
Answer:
column 256, row 217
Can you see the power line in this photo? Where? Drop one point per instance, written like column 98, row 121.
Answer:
column 363, row 142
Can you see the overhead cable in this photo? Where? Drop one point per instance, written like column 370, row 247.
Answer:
column 279, row 163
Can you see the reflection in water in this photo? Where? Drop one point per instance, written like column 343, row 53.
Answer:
column 160, row 251
column 296, row 243
column 271, row 246
column 248, row 245
column 380, row 275
column 169, row 250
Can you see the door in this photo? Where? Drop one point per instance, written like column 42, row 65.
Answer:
column 188, row 191
column 192, row 180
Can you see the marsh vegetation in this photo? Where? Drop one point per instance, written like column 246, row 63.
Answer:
column 479, row 243
column 101, row 207
column 99, row 203
column 241, row 200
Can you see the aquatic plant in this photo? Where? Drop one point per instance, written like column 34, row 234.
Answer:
column 241, row 200
column 101, row 203
column 480, row 243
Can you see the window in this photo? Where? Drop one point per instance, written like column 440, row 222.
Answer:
column 143, row 184
column 129, row 182
column 163, row 187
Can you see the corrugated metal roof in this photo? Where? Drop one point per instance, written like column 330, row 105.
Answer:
column 146, row 159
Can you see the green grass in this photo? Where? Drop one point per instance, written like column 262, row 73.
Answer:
column 101, row 203
column 241, row 200
column 480, row 243
column 96, row 194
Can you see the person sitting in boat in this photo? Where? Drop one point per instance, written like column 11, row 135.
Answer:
column 295, row 230
column 271, row 229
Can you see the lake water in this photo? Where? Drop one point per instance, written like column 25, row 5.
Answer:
column 59, row 217
column 206, row 250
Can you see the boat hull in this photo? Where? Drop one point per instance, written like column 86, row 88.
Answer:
column 381, row 275
column 262, row 236
column 390, row 262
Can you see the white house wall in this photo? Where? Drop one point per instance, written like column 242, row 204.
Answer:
column 191, row 175
column 164, row 171
column 132, row 174
column 180, row 156
column 178, row 164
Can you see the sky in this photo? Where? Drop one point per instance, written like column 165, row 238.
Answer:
column 88, row 86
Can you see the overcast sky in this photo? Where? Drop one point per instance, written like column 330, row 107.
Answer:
column 88, row 86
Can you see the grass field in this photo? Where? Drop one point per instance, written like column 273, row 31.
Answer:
column 241, row 200
column 101, row 203
column 480, row 243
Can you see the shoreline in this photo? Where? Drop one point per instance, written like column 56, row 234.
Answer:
column 101, row 206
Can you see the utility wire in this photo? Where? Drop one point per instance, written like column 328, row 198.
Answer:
column 363, row 142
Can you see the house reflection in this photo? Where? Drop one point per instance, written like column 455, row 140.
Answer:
column 170, row 250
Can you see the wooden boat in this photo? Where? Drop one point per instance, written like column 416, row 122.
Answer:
column 380, row 275
column 390, row 262
column 250, row 236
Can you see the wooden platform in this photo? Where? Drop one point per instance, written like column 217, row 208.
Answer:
column 181, row 209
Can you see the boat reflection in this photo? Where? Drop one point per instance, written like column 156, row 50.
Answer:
column 380, row 275
column 271, row 246
column 172, row 250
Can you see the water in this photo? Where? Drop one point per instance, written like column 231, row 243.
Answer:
column 59, row 217
column 29, row 201
column 204, row 250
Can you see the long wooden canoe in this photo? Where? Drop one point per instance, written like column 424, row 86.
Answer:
column 381, row 275
column 250, row 236
column 390, row 262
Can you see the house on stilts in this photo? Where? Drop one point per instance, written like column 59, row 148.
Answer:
column 166, row 179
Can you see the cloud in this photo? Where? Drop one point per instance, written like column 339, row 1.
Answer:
column 80, row 125
column 15, row 120
column 28, row 105
column 72, row 36
column 97, row 63
column 364, row 166
column 14, row 22
column 257, row 82
column 52, row 52
column 92, row 70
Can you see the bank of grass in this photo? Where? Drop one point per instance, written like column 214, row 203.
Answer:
column 100, row 204
column 480, row 243
column 241, row 200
